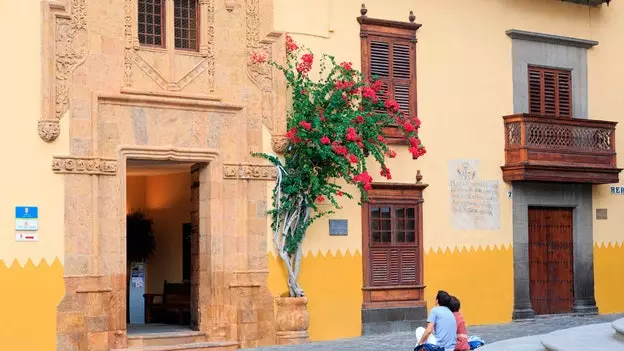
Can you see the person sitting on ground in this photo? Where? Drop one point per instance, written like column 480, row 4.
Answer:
column 462, row 334
column 441, row 323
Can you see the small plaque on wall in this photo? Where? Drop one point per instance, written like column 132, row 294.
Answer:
column 338, row 227
column 601, row 213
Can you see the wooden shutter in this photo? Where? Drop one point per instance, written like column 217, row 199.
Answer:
column 393, row 62
column 550, row 92
column 390, row 266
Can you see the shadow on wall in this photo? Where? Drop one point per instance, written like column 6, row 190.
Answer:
column 28, row 299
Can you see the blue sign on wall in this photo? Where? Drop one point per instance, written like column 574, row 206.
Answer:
column 617, row 190
column 23, row 212
column 26, row 218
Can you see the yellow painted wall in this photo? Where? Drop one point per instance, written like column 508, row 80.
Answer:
column 31, row 273
column 167, row 200
column 464, row 87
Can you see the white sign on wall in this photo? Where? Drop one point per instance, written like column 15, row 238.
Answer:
column 475, row 203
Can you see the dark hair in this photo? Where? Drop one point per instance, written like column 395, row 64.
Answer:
column 454, row 304
column 443, row 298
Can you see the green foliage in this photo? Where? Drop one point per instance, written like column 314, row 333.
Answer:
column 336, row 122
column 141, row 242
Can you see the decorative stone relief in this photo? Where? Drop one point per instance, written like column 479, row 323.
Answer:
column 49, row 130
column 248, row 171
column 84, row 165
column 260, row 74
column 279, row 144
column 206, row 49
column 69, row 52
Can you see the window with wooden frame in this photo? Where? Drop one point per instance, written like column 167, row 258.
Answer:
column 186, row 24
column 392, row 246
column 151, row 21
column 389, row 55
column 550, row 91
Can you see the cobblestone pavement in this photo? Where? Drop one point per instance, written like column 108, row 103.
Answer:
column 490, row 333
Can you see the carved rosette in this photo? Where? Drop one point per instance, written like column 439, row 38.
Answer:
column 49, row 130
column 279, row 144
column 250, row 172
column 84, row 165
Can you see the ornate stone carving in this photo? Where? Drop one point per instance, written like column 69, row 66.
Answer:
column 249, row 171
column 279, row 144
column 70, row 43
column 84, row 165
column 71, row 40
column 207, row 49
column 128, row 43
column 259, row 73
column 49, row 130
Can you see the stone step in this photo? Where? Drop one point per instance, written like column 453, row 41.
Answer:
column 195, row 346
column 595, row 337
column 165, row 338
column 619, row 329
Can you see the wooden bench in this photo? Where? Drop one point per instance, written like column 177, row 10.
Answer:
column 176, row 299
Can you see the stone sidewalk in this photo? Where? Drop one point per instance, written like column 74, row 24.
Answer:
column 490, row 333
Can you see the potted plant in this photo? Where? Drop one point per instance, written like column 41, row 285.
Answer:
column 335, row 125
column 140, row 245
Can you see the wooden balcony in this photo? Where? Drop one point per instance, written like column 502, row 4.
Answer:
column 550, row 149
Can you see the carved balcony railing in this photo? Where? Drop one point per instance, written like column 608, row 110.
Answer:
column 550, row 149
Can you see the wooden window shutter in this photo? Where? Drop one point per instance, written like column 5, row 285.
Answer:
column 550, row 92
column 393, row 266
column 392, row 61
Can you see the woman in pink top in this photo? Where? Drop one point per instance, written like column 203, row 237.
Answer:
column 462, row 334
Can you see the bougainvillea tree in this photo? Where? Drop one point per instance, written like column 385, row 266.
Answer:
column 335, row 125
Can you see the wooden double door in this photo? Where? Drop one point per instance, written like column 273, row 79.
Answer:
column 551, row 262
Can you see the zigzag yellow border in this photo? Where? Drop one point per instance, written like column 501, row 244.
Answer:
column 29, row 263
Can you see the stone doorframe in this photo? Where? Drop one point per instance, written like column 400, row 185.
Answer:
column 208, row 250
column 576, row 196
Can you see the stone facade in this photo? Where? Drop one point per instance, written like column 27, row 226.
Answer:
column 126, row 102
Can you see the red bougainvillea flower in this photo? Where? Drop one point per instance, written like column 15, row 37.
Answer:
column 351, row 135
column 344, row 85
column 339, row 149
column 291, row 133
column 346, row 65
column 339, row 193
column 365, row 179
column 320, row 198
column 290, row 44
column 381, row 138
column 377, row 85
column 391, row 153
column 305, row 125
column 385, row 172
column 306, row 63
column 359, row 119
column 409, row 127
column 258, row 58
column 391, row 105
column 325, row 140
column 414, row 142
column 369, row 93
column 352, row 158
